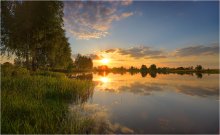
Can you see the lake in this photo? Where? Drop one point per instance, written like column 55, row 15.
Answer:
column 161, row 103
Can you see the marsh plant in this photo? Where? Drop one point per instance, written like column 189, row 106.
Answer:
column 38, row 103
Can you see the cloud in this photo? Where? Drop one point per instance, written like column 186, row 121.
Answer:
column 95, row 56
column 93, row 19
column 143, row 88
column 110, row 50
column 196, row 50
column 140, row 88
column 198, row 91
column 126, row 2
column 142, row 52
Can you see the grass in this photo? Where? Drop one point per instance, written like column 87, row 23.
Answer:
column 38, row 103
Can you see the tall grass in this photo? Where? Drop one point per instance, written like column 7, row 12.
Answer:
column 39, row 104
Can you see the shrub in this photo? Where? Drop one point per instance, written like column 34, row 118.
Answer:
column 50, row 74
column 7, row 69
column 198, row 68
column 19, row 71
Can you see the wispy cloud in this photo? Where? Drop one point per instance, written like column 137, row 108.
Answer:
column 95, row 56
column 139, row 88
column 198, row 91
column 196, row 50
column 93, row 19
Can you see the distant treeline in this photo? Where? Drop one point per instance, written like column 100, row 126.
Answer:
column 154, row 68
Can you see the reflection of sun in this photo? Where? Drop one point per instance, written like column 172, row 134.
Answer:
column 105, row 61
column 104, row 79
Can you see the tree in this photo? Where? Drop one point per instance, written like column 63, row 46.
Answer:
column 131, row 68
column 152, row 67
column 143, row 68
column 198, row 68
column 83, row 62
column 103, row 68
column 33, row 30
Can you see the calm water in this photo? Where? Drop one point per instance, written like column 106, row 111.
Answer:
column 162, row 104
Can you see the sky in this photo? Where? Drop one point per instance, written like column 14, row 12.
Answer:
column 132, row 33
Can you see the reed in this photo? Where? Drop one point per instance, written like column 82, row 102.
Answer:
column 39, row 104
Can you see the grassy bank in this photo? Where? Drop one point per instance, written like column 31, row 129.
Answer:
column 38, row 103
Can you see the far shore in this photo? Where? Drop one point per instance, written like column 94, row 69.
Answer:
column 208, row 71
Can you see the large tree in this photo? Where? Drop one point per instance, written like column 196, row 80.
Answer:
column 33, row 31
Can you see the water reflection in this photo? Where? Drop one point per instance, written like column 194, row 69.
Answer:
column 153, row 74
column 199, row 75
column 154, row 103
column 146, row 86
column 104, row 79
column 81, row 76
column 143, row 74
column 101, row 119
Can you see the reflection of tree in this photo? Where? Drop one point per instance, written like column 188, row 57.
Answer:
column 85, row 76
column 122, row 73
column 199, row 75
column 83, row 98
column 81, row 76
column 180, row 73
column 153, row 74
column 103, row 73
column 143, row 74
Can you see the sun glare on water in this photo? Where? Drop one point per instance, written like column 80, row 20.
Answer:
column 104, row 79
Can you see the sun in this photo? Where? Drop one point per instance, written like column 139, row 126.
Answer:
column 105, row 61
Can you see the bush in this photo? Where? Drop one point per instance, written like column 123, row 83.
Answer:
column 50, row 74
column 7, row 69
column 198, row 68
column 19, row 71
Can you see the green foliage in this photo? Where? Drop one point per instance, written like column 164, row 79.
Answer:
column 153, row 67
column 50, row 74
column 33, row 31
column 19, row 71
column 83, row 62
column 70, row 67
column 198, row 68
column 8, row 69
column 143, row 68
column 39, row 104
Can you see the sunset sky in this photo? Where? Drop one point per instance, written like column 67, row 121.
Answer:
column 144, row 32
column 132, row 33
